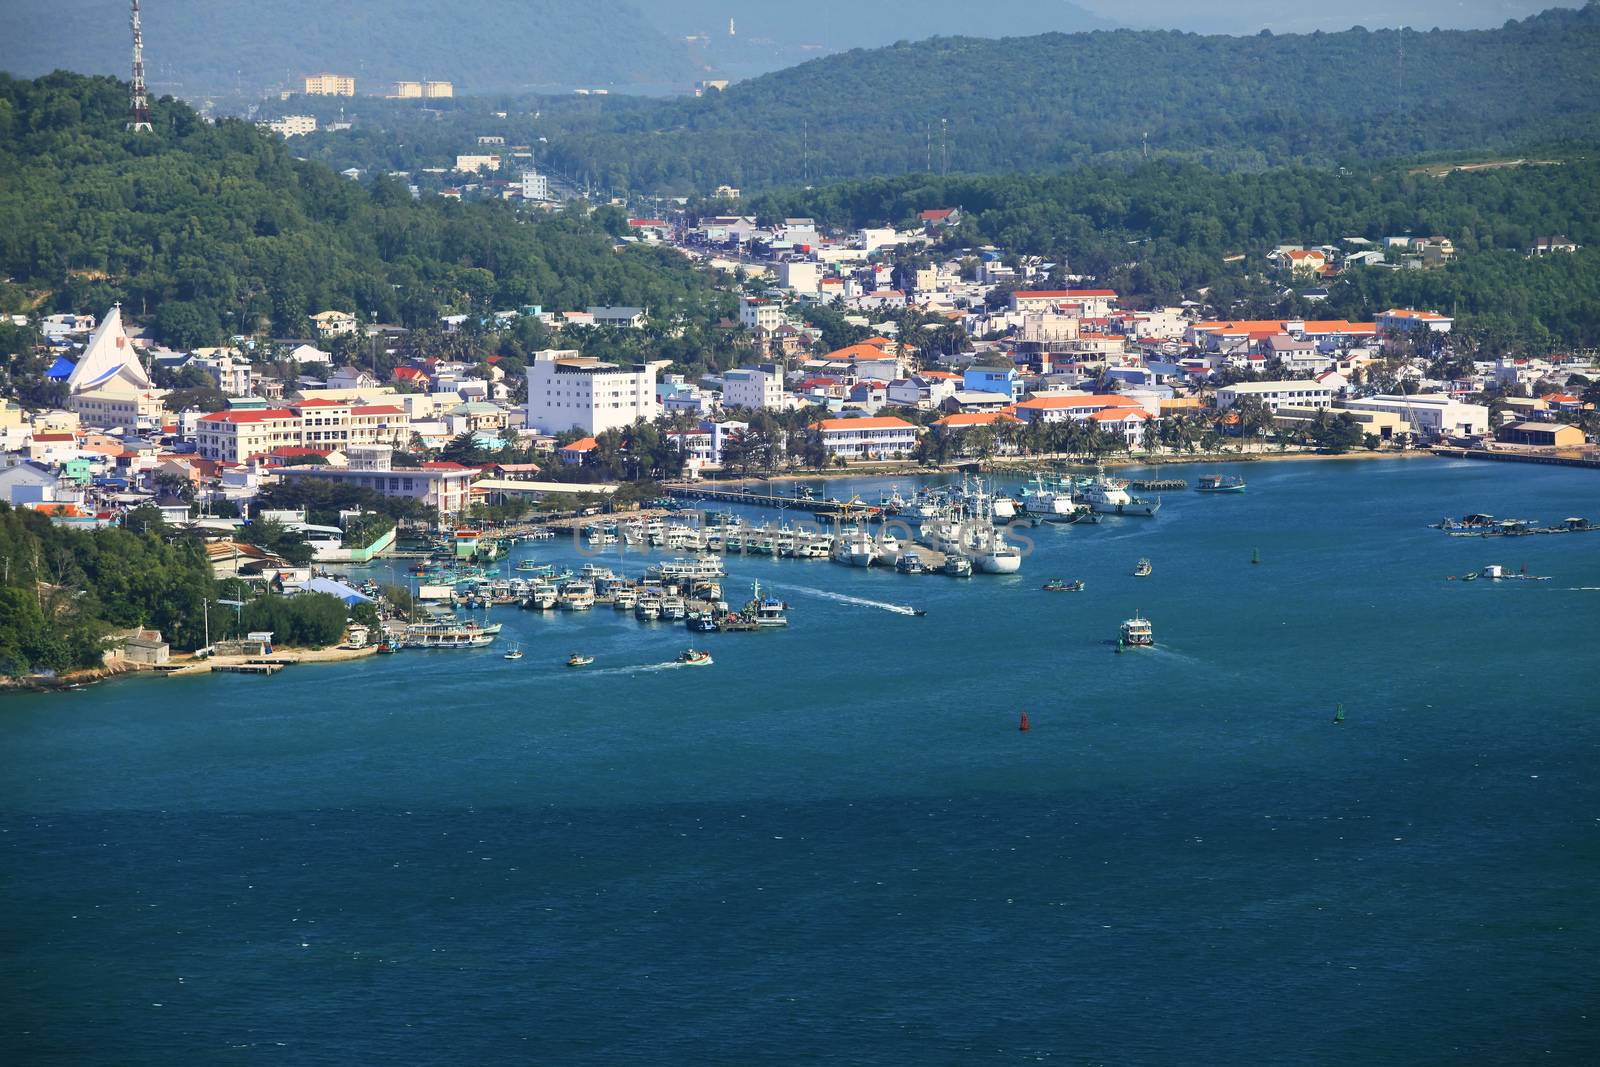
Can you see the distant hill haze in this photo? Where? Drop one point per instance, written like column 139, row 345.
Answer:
column 196, row 48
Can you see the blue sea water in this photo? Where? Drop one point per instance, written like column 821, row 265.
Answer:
column 835, row 846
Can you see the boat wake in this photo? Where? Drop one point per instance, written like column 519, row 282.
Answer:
column 841, row 598
column 643, row 668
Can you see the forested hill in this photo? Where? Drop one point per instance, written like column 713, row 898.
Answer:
column 196, row 48
column 214, row 230
column 1063, row 99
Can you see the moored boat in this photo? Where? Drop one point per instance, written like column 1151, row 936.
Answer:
column 1220, row 483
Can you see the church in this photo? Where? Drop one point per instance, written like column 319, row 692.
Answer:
column 109, row 387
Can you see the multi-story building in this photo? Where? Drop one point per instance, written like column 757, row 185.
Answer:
column 1298, row 394
column 874, row 437
column 477, row 164
column 568, row 391
column 535, row 186
column 325, row 425
column 756, row 388
column 1405, row 320
column 444, row 487
column 755, row 312
column 1431, row 415
column 292, row 125
column 330, row 85
column 620, row 318
column 408, row 90
column 438, row 90
column 334, row 323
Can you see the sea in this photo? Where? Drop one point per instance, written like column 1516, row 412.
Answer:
column 835, row 845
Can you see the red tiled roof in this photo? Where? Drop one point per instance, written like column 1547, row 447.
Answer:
column 882, row 422
column 584, row 444
column 237, row 417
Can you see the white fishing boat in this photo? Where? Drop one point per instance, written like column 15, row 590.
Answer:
column 1109, row 496
column 1051, row 503
column 855, row 546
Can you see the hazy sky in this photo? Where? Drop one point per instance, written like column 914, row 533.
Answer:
column 1298, row 15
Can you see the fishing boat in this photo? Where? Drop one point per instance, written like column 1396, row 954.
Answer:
column 579, row 660
column 1108, row 496
column 1059, row 585
column 528, row 566
column 856, row 547
column 515, row 653
column 1220, row 483
column 693, row 657
column 1136, row 633
column 768, row 611
column 910, row 563
column 1142, row 569
column 387, row 647
column 1049, row 503
column 957, row 567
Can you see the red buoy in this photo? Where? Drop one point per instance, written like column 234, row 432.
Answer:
column 1023, row 726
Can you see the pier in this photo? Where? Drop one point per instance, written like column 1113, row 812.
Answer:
column 1515, row 457
column 848, row 511
column 1160, row 485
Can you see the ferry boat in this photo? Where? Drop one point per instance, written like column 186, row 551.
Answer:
column 1220, row 483
column 673, row 609
column 699, row 568
column 768, row 612
column 625, row 598
column 648, row 609
column 693, row 657
column 1108, row 496
column 542, row 597
column 578, row 660
column 1142, row 569
column 577, row 596
column 449, row 634
column 1136, row 633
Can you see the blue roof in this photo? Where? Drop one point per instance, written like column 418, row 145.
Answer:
column 60, row 370
column 327, row 585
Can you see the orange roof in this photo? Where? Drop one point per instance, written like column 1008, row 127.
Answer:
column 1559, row 398
column 877, row 342
column 67, row 510
column 1061, row 294
column 880, row 422
column 975, row 418
column 864, row 350
column 944, row 374
column 381, row 409
column 237, row 417
column 1298, row 253
column 583, row 444
column 1097, row 400
column 1119, row 414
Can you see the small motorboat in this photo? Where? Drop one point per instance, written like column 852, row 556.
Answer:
column 919, row 612
column 515, row 653
column 1059, row 585
column 579, row 660
column 693, row 657
column 1142, row 569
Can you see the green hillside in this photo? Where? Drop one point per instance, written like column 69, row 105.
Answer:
column 212, row 230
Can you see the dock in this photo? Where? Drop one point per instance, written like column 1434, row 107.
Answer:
column 1160, row 485
column 1515, row 457
column 848, row 511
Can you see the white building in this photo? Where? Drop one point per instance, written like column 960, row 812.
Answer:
column 1404, row 320
column 1297, row 394
column 756, row 313
column 292, row 125
column 620, row 318
column 1431, row 415
column 756, row 388
column 535, row 186
column 874, row 437
column 568, row 391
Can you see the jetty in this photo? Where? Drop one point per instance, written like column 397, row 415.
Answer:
column 854, row 510
column 1516, row 457
column 1160, row 485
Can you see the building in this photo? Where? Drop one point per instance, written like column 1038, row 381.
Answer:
column 756, row 388
column 321, row 424
column 1546, row 245
column 330, row 85
column 1406, row 320
column 1431, row 415
column 108, row 387
column 407, row 90
column 292, row 125
column 1088, row 303
column 618, row 318
column 1300, row 394
column 880, row 437
column 755, row 313
column 1545, row 434
column 535, row 186
column 147, row 647
column 334, row 323
column 437, row 90
column 477, row 164
column 568, row 391
column 446, row 488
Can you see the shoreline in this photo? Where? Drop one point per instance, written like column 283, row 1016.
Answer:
column 182, row 666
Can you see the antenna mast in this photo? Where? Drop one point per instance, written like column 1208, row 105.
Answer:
column 139, row 120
